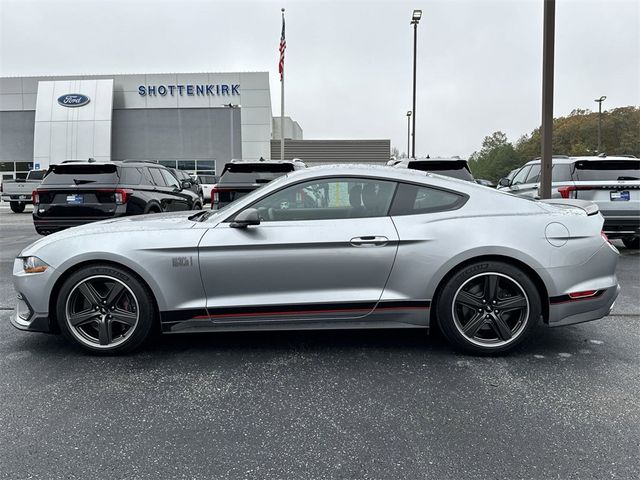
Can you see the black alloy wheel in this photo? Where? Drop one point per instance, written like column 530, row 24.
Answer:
column 488, row 307
column 105, row 309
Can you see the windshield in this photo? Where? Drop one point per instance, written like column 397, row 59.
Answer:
column 450, row 168
column 603, row 170
column 253, row 172
column 207, row 179
column 36, row 174
column 78, row 174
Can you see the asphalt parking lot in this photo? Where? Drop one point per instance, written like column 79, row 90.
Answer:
column 364, row 404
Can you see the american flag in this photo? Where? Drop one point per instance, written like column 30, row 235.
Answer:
column 283, row 46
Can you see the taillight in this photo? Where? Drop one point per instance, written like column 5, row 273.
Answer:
column 584, row 294
column 120, row 196
column 35, row 197
column 569, row 192
column 215, row 196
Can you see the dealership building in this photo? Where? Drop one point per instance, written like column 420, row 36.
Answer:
column 193, row 121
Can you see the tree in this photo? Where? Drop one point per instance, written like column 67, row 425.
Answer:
column 495, row 159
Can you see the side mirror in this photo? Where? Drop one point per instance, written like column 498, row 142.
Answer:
column 504, row 182
column 245, row 218
column 186, row 185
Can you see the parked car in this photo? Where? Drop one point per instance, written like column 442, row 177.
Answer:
column 509, row 177
column 613, row 183
column 194, row 185
column 207, row 183
column 81, row 192
column 240, row 177
column 451, row 167
column 18, row 192
column 359, row 247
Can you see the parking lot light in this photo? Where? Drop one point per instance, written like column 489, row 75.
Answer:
column 415, row 19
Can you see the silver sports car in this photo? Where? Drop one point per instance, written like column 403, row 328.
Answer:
column 327, row 248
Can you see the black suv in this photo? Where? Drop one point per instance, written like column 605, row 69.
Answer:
column 75, row 193
column 240, row 177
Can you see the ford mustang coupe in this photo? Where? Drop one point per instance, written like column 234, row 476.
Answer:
column 327, row 248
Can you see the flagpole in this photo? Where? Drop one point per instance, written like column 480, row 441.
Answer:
column 282, row 104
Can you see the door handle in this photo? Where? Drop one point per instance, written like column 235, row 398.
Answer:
column 369, row 241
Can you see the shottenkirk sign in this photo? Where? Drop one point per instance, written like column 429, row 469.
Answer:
column 191, row 90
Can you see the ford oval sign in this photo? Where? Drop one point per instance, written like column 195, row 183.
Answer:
column 73, row 100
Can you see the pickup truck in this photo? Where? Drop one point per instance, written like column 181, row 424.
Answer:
column 18, row 192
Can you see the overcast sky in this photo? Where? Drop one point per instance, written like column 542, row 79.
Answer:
column 349, row 64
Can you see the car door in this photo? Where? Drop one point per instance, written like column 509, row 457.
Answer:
column 323, row 250
column 179, row 199
column 530, row 186
column 519, row 180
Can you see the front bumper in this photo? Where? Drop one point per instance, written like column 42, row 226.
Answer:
column 564, row 311
column 33, row 293
column 24, row 318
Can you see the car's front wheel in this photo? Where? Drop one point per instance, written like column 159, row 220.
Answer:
column 105, row 309
column 488, row 307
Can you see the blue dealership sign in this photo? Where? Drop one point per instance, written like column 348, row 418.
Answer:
column 206, row 90
column 73, row 100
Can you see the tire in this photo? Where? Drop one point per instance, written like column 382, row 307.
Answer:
column 197, row 206
column 17, row 207
column 97, row 323
column 632, row 243
column 488, row 307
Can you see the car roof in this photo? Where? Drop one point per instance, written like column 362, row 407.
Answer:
column 563, row 159
column 433, row 159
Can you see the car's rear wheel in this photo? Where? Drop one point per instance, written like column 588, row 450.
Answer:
column 105, row 310
column 17, row 207
column 632, row 242
column 197, row 206
column 488, row 307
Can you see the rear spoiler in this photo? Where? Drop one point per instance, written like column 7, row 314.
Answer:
column 586, row 206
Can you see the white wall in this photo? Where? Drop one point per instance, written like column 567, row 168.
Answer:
column 254, row 98
column 72, row 133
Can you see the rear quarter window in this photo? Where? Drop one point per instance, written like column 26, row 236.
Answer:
column 415, row 199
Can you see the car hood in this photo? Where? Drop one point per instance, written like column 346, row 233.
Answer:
column 150, row 223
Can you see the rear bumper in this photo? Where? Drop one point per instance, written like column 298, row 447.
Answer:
column 565, row 311
column 16, row 198
column 615, row 226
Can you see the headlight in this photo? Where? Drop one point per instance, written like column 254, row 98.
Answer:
column 33, row 265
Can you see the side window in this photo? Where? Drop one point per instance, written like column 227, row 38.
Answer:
column 521, row 175
column 131, row 176
column 157, row 177
column 146, row 177
column 534, row 174
column 334, row 198
column 561, row 172
column 170, row 179
column 415, row 199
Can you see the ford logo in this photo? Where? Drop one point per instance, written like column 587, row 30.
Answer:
column 73, row 100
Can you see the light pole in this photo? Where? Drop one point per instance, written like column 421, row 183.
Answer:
column 415, row 18
column 599, row 102
column 408, row 130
